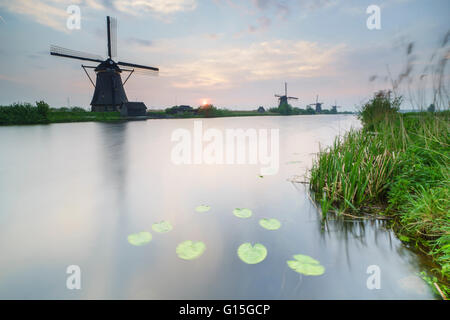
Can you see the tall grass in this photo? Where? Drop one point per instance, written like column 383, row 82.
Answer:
column 397, row 165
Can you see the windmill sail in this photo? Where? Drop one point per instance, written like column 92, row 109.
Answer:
column 111, row 24
column 68, row 53
column 137, row 66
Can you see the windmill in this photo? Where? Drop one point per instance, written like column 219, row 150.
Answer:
column 335, row 107
column 109, row 93
column 284, row 99
column 318, row 105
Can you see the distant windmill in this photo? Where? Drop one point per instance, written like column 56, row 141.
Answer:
column 318, row 105
column 109, row 94
column 335, row 107
column 284, row 99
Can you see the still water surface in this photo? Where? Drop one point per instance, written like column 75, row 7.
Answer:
column 70, row 194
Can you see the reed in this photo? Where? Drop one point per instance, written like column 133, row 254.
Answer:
column 396, row 165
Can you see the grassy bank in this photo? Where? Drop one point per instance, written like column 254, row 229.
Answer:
column 397, row 166
column 41, row 113
column 83, row 116
column 213, row 113
column 24, row 113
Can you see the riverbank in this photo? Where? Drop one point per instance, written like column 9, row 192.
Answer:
column 395, row 166
column 216, row 113
column 41, row 113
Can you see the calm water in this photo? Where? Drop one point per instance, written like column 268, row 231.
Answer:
column 70, row 194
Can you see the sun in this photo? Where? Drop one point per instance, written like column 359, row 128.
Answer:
column 205, row 102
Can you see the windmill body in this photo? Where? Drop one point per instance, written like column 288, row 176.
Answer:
column 109, row 93
column 317, row 105
column 334, row 109
column 283, row 99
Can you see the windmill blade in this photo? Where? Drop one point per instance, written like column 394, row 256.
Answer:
column 293, row 98
column 68, row 53
column 278, row 96
column 140, row 69
column 111, row 24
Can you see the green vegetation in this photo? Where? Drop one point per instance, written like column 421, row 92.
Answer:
column 242, row 213
column 162, row 227
column 41, row 113
column 202, row 208
column 396, row 165
column 287, row 109
column 83, row 116
column 24, row 113
column 139, row 239
column 252, row 254
column 306, row 265
column 189, row 250
column 270, row 224
column 209, row 111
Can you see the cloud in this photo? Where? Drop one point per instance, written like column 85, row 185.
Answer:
column 278, row 59
column 262, row 24
column 50, row 13
column 40, row 11
column 139, row 42
column 283, row 7
column 214, row 36
column 164, row 7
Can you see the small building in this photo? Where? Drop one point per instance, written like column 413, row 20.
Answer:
column 261, row 109
column 133, row 109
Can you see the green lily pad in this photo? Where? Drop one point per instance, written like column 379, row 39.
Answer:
column 202, row 208
column 252, row 254
column 306, row 265
column 242, row 213
column 162, row 227
column 189, row 250
column 270, row 224
column 139, row 239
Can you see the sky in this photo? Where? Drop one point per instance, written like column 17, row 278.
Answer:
column 234, row 54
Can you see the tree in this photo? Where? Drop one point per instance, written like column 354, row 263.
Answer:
column 285, row 109
column 42, row 108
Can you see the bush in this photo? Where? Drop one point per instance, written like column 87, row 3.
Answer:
column 78, row 109
column 285, row 109
column 380, row 107
column 42, row 108
column 24, row 113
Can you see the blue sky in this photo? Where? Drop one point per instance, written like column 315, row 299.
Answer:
column 235, row 54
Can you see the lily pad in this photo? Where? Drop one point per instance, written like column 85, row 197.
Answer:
column 270, row 224
column 139, row 239
column 202, row 208
column 252, row 254
column 162, row 227
column 242, row 213
column 189, row 250
column 306, row 265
